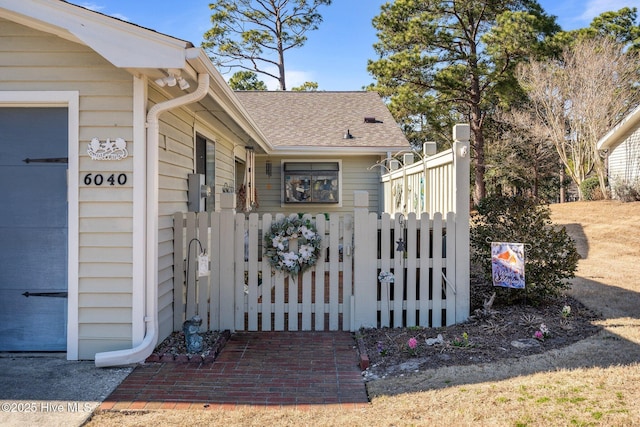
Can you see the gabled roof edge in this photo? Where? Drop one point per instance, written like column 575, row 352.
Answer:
column 108, row 36
column 615, row 136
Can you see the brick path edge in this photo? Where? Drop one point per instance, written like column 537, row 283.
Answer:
column 363, row 357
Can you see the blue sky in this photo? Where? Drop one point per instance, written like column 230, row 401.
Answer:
column 335, row 56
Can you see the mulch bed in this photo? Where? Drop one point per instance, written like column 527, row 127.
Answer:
column 501, row 333
column 174, row 348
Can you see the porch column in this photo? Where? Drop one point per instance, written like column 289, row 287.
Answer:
column 461, row 199
column 364, row 267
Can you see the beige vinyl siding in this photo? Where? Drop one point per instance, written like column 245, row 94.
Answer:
column 176, row 161
column 31, row 60
column 104, row 285
column 355, row 176
column 225, row 167
column 178, row 128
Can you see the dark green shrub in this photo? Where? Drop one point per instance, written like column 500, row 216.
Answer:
column 590, row 189
column 550, row 253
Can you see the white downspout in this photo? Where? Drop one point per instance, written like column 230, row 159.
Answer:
column 142, row 351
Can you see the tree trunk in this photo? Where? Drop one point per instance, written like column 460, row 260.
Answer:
column 281, row 71
column 480, row 191
column 476, row 119
column 603, row 172
column 536, row 180
column 282, row 80
column 563, row 195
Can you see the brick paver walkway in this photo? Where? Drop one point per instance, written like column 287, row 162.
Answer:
column 254, row 368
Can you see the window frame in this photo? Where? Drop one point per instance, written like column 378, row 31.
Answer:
column 283, row 181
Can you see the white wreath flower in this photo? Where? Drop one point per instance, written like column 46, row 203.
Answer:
column 277, row 244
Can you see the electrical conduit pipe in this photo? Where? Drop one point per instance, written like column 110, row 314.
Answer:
column 145, row 348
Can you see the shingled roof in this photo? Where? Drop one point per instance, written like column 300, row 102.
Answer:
column 321, row 120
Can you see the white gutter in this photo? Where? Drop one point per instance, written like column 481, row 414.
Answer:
column 144, row 349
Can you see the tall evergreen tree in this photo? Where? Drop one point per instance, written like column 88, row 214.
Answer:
column 255, row 34
column 246, row 80
column 445, row 61
column 621, row 26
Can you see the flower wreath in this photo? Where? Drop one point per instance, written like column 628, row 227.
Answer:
column 276, row 244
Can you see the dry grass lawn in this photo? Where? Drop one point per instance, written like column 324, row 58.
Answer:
column 591, row 383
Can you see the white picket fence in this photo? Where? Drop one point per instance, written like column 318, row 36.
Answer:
column 427, row 253
column 428, row 185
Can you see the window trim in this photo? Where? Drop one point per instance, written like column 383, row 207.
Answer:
column 285, row 204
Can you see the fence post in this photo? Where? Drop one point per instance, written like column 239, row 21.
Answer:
column 364, row 268
column 461, row 134
column 179, row 276
column 227, row 262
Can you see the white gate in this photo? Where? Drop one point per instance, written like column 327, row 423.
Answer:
column 241, row 292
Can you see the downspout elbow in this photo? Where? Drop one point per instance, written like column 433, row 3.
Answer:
column 200, row 92
column 145, row 348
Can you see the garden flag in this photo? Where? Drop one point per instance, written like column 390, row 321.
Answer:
column 507, row 264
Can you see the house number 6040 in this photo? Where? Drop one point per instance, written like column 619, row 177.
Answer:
column 100, row 179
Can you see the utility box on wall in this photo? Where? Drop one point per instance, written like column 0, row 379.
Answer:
column 197, row 192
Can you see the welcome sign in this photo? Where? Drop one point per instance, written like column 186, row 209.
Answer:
column 507, row 264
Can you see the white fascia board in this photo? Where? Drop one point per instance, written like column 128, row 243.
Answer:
column 620, row 132
column 341, row 151
column 123, row 44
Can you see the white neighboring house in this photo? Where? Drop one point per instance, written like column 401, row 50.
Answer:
column 623, row 145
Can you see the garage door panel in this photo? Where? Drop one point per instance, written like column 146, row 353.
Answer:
column 32, row 133
column 29, row 189
column 23, row 324
column 31, row 257
column 33, row 229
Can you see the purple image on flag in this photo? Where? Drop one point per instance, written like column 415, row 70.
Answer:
column 507, row 264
